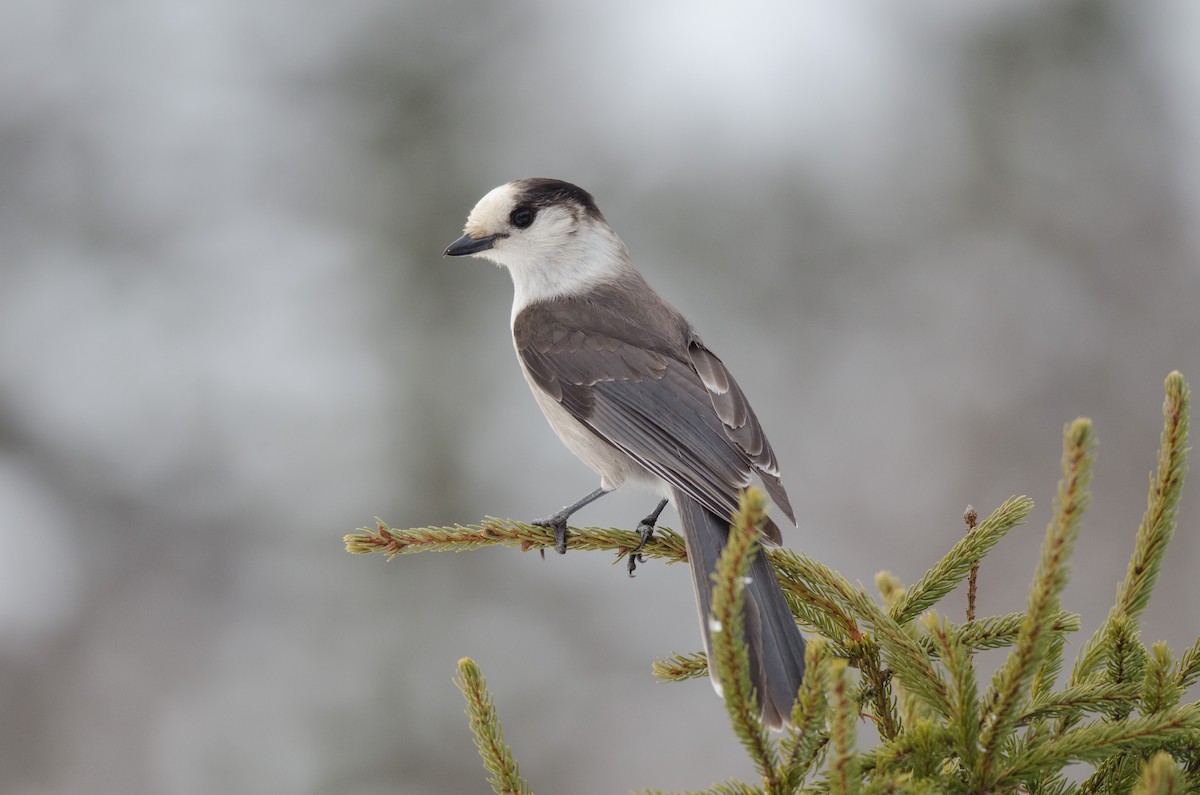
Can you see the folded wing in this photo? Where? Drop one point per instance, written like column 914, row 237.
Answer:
column 673, row 408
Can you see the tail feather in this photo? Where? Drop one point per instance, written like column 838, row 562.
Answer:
column 774, row 641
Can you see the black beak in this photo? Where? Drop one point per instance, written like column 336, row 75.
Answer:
column 469, row 245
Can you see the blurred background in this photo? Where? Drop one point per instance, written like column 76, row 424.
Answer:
column 923, row 237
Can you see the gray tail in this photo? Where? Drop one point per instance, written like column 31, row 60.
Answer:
column 775, row 643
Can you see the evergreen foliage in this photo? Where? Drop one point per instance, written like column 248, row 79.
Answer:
column 497, row 756
column 910, row 671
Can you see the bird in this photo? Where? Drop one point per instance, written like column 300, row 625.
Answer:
column 631, row 389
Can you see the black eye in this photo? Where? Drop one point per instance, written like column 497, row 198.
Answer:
column 521, row 217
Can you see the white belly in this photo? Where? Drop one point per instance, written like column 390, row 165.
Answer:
column 608, row 462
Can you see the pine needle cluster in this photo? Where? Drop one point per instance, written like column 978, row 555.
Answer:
column 897, row 663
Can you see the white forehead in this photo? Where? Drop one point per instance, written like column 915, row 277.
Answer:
column 492, row 211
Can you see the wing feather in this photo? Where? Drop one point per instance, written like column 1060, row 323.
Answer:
column 678, row 412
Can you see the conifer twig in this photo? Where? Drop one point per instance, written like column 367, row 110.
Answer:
column 805, row 735
column 1115, row 774
column 497, row 756
column 1096, row 741
column 879, row 691
column 665, row 544
column 843, row 774
column 964, row 690
column 1011, row 683
column 971, row 516
column 1125, row 662
column 728, row 639
column 996, row 632
column 903, row 654
column 1160, row 690
column 1158, row 523
column 1162, row 505
column 1189, row 666
column 844, row 601
column 1089, row 697
column 814, row 583
column 1047, row 672
column 831, row 599
column 731, row 787
column 1161, row 776
column 948, row 572
column 681, row 667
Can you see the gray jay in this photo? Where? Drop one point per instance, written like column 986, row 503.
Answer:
column 630, row 389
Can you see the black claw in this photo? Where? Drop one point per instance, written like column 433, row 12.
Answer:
column 646, row 531
column 558, row 523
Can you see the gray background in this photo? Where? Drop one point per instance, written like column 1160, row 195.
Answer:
column 923, row 237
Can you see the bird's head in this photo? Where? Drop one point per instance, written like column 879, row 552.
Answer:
column 547, row 232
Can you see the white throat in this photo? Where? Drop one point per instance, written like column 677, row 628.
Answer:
column 578, row 263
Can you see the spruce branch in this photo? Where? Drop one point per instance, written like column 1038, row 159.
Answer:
column 497, row 756
column 814, row 615
column 1010, row 686
column 727, row 636
column 923, row 752
column 1125, row 661
column 891, row 590
column 666, row 544
column 1047, row 673
column 997, row 632
column 1122, row 704
column 877, row 689
column 1160, row 690
column 845, row 600
column 833, row 599
column 971, row 516
column 843, row 777
column 681, row 667
column 1158, row 523
column 1189, row 666
column 1096, row 741
column 805, row 735
column 723, row 788
column 819, row 586
column 842, row 602
column 1117, row 773
column 1161, row 776
column 1102, row 697
column 963, row 688
column 903, row 654
column 948, row 572
column 1162, row 504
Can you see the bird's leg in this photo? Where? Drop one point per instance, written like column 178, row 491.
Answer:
column 558, row 521
column 646, row 531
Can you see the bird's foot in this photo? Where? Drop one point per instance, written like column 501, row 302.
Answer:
column 558, row 523
column 646, row 530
